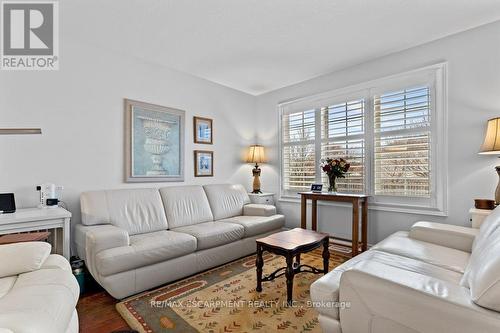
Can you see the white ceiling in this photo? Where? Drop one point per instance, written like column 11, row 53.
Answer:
column 261, row 45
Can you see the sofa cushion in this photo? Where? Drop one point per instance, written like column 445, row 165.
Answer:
column 483, row 274
column 40, row 301
column 325, row 290
column 136, row 210
column 49, row 277
column 401, row 244
column 256, row 225
column 6, row 284
column 212, row 234
column 20, row 258
column 185, row 205
column 144, row 250
column 226, row 200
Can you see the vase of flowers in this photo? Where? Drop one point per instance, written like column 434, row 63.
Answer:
column 334, row 168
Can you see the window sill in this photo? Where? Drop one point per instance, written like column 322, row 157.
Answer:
column 397, row 208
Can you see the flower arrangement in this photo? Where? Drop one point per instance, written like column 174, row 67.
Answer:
column 334, row 168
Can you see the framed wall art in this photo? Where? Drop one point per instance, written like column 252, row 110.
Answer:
column 203, row 163
column 154, row 143
column 203, row 130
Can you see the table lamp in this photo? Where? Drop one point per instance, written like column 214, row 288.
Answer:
column 491, row 146
column 256, row 155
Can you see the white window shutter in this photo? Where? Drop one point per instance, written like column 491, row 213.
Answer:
column 343, row 136
column 402, row 134
column 298, row 150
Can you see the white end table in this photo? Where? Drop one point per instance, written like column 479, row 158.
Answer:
column 36, row 219
column 262, row 198
column 477, row 216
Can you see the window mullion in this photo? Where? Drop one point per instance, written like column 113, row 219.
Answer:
column 369, row 143
column 317, row 145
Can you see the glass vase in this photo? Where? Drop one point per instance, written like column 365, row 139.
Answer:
column 332, row 184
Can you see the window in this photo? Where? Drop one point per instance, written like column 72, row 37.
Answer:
column 392, row 131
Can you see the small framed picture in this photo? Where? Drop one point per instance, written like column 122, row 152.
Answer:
column 202, row 129
column 203, row 163
column 316, row 188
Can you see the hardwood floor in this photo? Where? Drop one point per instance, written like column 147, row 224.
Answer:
column 97, row 313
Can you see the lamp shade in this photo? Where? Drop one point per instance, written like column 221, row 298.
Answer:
column 255, row 154
column 491, row 144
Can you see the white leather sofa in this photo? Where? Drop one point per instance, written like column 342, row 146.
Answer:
column 38, row 292
column 136, row 239
column 435, row 278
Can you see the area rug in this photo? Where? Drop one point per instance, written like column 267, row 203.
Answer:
column 224, row 300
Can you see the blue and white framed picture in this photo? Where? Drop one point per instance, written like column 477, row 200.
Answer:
column 202, row 129
column 154, row 137
column 203, row 163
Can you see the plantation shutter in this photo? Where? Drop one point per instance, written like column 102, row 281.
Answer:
column 342, row 136
column 298, row 150
column 402, row 139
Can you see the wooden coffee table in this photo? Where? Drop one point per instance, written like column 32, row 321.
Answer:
column 291, row 244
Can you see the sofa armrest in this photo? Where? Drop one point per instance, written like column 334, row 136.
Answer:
column 102, row 237
column 453, row 236
column 90, row 240
column 259, row 210
column 379, row 295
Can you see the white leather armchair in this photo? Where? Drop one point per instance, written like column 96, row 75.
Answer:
column 384, row 298
column 435, row 278
column 38, row 292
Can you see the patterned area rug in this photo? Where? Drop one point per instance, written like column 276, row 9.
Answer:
column 224, row 300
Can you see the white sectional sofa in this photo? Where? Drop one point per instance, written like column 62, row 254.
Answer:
column 136, row 239
column 435, row 278
column 38, row 292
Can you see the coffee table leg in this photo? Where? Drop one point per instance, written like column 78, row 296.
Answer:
column 259, row 263
column 289, row 279
column 297, row 261
column 326, row 254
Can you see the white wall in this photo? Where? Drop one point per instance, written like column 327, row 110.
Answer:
column 80, row 111
column 474, row 96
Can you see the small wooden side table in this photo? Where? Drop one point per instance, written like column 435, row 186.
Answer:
column 26, row 237
column 291, row 244
column 354, row 199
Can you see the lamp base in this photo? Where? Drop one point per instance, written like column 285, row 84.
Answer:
column 256, row 179
column 497, row 192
